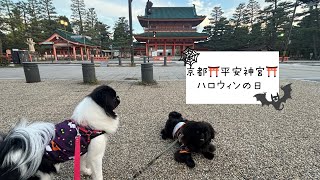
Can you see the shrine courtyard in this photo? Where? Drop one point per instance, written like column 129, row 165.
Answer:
column 253, row 142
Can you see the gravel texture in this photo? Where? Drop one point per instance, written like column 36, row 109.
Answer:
column 253, row 142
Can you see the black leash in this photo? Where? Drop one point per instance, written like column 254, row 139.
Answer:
column 153, row 160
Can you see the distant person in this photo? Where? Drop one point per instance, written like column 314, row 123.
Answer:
column 311, row 55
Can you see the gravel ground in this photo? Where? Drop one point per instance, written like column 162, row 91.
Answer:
column 253, row 142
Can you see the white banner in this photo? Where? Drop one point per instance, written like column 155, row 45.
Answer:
column 227, row 77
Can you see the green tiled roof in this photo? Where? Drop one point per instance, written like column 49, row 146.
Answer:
column 173, row 34
column 173, row 13
column 70, row 36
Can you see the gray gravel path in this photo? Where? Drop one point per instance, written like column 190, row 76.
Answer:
column 253, row 142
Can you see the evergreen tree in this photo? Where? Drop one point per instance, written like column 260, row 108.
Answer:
column 91, row 21
column 34, row 10
column 240, row 17
column 48, row 10
column 6, row 7
column 78, row 13
column 65, row 19
column 121, row 34
column 103, row 35
column 216, row 15
column 22, row 6
column 253, row 9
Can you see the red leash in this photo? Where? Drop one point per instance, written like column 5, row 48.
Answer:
column 77, row 156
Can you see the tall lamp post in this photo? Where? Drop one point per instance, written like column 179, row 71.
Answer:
column 131, row 36
column 65, row 24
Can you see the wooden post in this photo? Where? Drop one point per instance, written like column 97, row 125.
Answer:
column 55, row 53
column 74, row 53
column 81, row 52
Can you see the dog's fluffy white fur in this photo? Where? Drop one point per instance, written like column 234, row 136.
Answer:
column 22, row 149
column 89, row 110
column 89, row 113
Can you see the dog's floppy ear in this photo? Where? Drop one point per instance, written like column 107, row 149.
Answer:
column 105, row 97
column 210, row 128
column 175, row 115
column 213, row 132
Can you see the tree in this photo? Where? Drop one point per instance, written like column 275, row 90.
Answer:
column 78, row 13
column 48, row 10
column 103, row 35
column 16, row 38
column 305, row 37
column 121, row 34
column 6, row 7
column 240, row 17
column 65, row 19
column 22, row 6
column 91, row 21
column 221, row 35
column 216, row 15
column 34, row 10
column 253, row 8
column 273, row 24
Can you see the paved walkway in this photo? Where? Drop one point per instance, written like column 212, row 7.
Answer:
column 174, row 71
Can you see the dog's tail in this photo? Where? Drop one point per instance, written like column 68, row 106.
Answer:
column 22, row 149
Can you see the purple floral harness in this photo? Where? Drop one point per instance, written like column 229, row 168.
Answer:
column 61, row 148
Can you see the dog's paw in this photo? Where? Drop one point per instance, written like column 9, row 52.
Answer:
column 86, row 171
column 208, row 155
column 211, row 148
column 190, row 163
column 163, row 134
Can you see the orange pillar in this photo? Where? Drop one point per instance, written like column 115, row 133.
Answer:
column 97, row 53
column 81, row 52
column 183, row 47
column 164, row 49
column 55, row 53
column 88, row 54
column 147, row 45
column 74, row 53
column 174, row 48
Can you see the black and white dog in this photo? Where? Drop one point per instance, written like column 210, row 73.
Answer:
column 36, row 151
column 193, row 136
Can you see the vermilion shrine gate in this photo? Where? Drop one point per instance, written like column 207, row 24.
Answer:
column 169, row 30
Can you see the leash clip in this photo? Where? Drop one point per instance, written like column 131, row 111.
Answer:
column 78, row 133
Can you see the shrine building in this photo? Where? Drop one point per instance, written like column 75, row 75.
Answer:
column 168, row 30
column 63, row 44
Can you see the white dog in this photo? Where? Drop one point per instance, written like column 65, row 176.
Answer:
column 36, row 151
